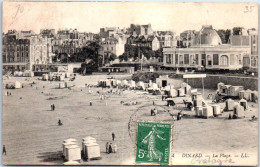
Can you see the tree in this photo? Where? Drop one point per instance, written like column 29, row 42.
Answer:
column 222, row 35
column 112, row 57
column 227, row 35
column 237, row 30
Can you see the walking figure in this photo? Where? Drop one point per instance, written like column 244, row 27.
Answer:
column 113, row 136
column 53, row 107
column 153, row 152
column 4, row 150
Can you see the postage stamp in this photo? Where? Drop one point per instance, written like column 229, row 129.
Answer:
column 153, row 142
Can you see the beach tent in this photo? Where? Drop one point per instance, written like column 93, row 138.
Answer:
column 229, row 105
column 243, row 103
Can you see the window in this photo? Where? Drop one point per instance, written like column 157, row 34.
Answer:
column 209, row 59
column 224, row 60
column 197, row 59
column 168, row 58
column 186, row 58
column 215, row 59
column 192, row 60
column 181, row 59
column 22, row 48
column 176, row 58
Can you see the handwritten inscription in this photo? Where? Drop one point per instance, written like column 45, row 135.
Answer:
column 248, row 9
column 213, row 159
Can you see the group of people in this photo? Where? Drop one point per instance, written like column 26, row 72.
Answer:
column 8, row 93
column 52, row 107
column 110, row 147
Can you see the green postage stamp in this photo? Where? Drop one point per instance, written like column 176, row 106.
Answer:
column 153, row 142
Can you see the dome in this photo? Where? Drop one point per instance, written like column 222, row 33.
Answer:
column 207, row 36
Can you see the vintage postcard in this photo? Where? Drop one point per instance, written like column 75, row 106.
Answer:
column 129, row 83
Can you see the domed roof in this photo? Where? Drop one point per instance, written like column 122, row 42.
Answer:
column 207, row 36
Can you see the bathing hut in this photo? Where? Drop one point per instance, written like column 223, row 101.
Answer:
column 187, row 89
column 241, row 94
column 219, row 85
column 140, row 85
column 17, row 85
column 216, row 109
column 243, row 103
column 207, row 111
column 239, row 111
column 183, row 85
column 92, row 151
column 224, row 90
column 234, row 90
column 247, row 95
column 62, row 85
column 254, row 96
column 229, row 105
column 131, row 84
column 64, row 145
column 180, row 92
column 73, row 153
column 198, row 111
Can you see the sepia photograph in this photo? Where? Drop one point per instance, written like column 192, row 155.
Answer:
column 129, row 83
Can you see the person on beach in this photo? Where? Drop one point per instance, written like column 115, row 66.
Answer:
column 113, row 136
column 4, row 150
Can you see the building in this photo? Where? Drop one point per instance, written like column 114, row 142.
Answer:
column 112, row 45
column 167, row 39
column 150, row 41
column 186, row 38
column 206, row 52
column 49, row 33
column 70, row 41
column 23, row 49
column 140, row 30
column 110, row 31
column 68, row 34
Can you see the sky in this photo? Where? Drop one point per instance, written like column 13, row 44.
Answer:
column 91, row 16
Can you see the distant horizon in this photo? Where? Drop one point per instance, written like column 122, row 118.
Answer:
column 163, row 16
